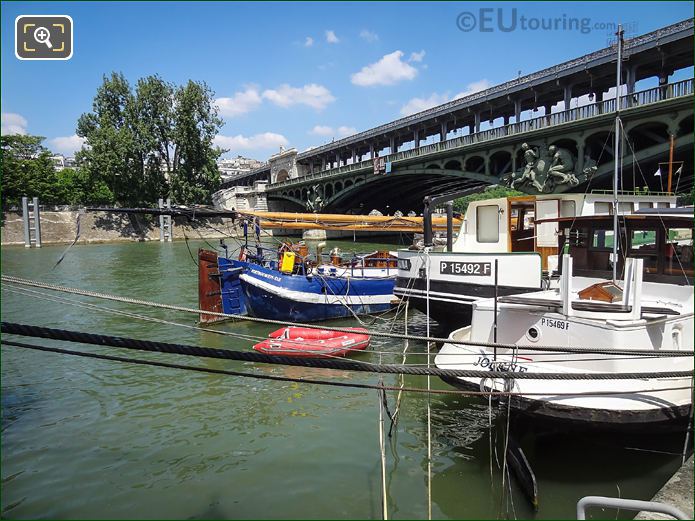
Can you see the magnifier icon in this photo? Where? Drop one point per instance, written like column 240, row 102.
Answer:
column 42, row 35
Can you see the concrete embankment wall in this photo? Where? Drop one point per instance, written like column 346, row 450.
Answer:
column 61, row 226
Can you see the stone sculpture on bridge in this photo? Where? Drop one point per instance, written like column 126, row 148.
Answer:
column 545, row 172
column 314, row 202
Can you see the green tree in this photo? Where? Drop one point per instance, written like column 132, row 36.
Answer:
column 27, row 170
column 196, row 123
column 152, row 142
column 460, row 205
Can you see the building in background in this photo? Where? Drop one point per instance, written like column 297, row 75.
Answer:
column 230, row 168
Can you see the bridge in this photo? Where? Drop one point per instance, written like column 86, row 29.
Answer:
column 562, row 111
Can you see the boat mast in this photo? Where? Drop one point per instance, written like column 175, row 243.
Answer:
column 616, row 149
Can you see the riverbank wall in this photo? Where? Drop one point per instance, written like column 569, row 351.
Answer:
column 60, row 227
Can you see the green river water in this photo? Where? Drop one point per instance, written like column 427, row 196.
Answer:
column 85, row 438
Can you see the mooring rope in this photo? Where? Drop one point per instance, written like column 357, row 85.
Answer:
column 383, row 334
column 346, row 365
column 312, row 381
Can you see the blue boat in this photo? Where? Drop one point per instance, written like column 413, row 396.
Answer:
column 254, row 285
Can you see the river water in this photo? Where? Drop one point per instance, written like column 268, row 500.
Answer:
column 86, row 438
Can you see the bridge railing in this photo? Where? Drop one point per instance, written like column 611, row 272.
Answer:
column 631, row 100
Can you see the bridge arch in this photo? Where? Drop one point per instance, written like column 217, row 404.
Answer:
column 501, row 162
column 475, row 163
column 283, row 175
column 453, row 164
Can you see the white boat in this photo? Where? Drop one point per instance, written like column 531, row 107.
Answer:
column 650, row 318
column 506, row 231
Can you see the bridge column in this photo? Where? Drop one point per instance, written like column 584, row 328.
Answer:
column 663, row 82
column 354, row 156
column 580, row 156
column 442, row 132
column 476, row 125
column 311, row 167
column 599, row 101
column 517, row 110
column 631, row 77
column 392, row 145
column 487, row 163
column 416, row 138
column 371, row 151
column 567, row 96
column 323, row 164
column 337, row 159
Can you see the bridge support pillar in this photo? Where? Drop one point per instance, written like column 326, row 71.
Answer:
column 442, row 132
column 517, row 110
column 416, row 138
column 323, row 164
column 354, row 156
column 476, row 126
column 567, row 96
column 580, row 156
column 371, row 151
column 392, row 145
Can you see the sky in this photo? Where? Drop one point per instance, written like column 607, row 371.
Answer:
column 301, row 74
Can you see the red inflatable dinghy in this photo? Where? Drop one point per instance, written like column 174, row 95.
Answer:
column 313, row 343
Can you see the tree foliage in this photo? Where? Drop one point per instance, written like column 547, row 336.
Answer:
column 461, row 205
column 27, row 169
column 152, row 141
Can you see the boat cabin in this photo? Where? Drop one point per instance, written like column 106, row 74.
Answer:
column 509, row 225
column 663, row 240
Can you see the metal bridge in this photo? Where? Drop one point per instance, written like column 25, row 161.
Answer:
column 478, row 139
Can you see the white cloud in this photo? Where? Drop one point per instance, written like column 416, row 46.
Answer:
column 324, row 130
column 309, row 41
column 240, row 103
column 417, row 56
column 346, row 131
column 419, row 104
column 474, row 87
column 388, row 70
column 312, row 95
column 331, row 37
column 321, row 130
column 266, row 140
column 67, row 145
column 369, row 36
column 13, row 124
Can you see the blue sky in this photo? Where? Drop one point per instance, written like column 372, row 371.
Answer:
column 297, row 74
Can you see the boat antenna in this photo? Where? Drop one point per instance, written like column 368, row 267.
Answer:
column 619, row 35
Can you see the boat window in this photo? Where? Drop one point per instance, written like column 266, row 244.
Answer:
column 602, row 240
column 602, row 208
column 644, row 205
column 663, row 205
column 568, row 209
column 641, row 240
column 679, row 251
column 624, row 208
column 487, row 223
column 514, row 221
column 529, row 219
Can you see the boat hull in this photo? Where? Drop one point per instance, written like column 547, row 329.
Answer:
column 591, row 404
column 313, row 343
column 271, row 294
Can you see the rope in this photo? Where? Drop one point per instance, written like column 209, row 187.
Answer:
column 346, row 365
column 311, row 381
column 151, row 304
